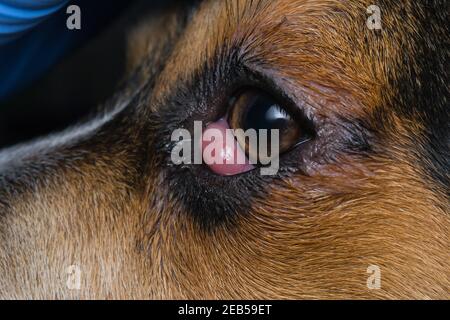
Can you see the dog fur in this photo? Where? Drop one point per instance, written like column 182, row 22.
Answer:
column 372, row 188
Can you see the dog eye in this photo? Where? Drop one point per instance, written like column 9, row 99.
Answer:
column 256, row 110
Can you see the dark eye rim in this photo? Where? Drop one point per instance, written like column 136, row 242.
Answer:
column 202, row 192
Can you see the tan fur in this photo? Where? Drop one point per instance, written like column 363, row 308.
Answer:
column 312, row 237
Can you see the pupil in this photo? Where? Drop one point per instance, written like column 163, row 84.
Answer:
column 264, row 113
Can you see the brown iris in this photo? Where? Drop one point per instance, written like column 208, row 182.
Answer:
column 253, row 109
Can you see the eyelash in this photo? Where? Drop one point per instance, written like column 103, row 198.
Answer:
column 196, row 186
column 268, row 85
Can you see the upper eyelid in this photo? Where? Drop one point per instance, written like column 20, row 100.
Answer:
column 298, row 102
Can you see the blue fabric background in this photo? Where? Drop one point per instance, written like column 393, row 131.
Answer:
column 19, row 16
column 34, row 36
column 21, row 55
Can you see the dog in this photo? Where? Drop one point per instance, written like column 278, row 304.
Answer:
column 358, row 210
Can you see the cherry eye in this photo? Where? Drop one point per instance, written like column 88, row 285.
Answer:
column 256, row 110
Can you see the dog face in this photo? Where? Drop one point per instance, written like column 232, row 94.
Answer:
column 369, row 187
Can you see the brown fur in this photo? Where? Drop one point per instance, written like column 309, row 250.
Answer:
column 98, row 199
